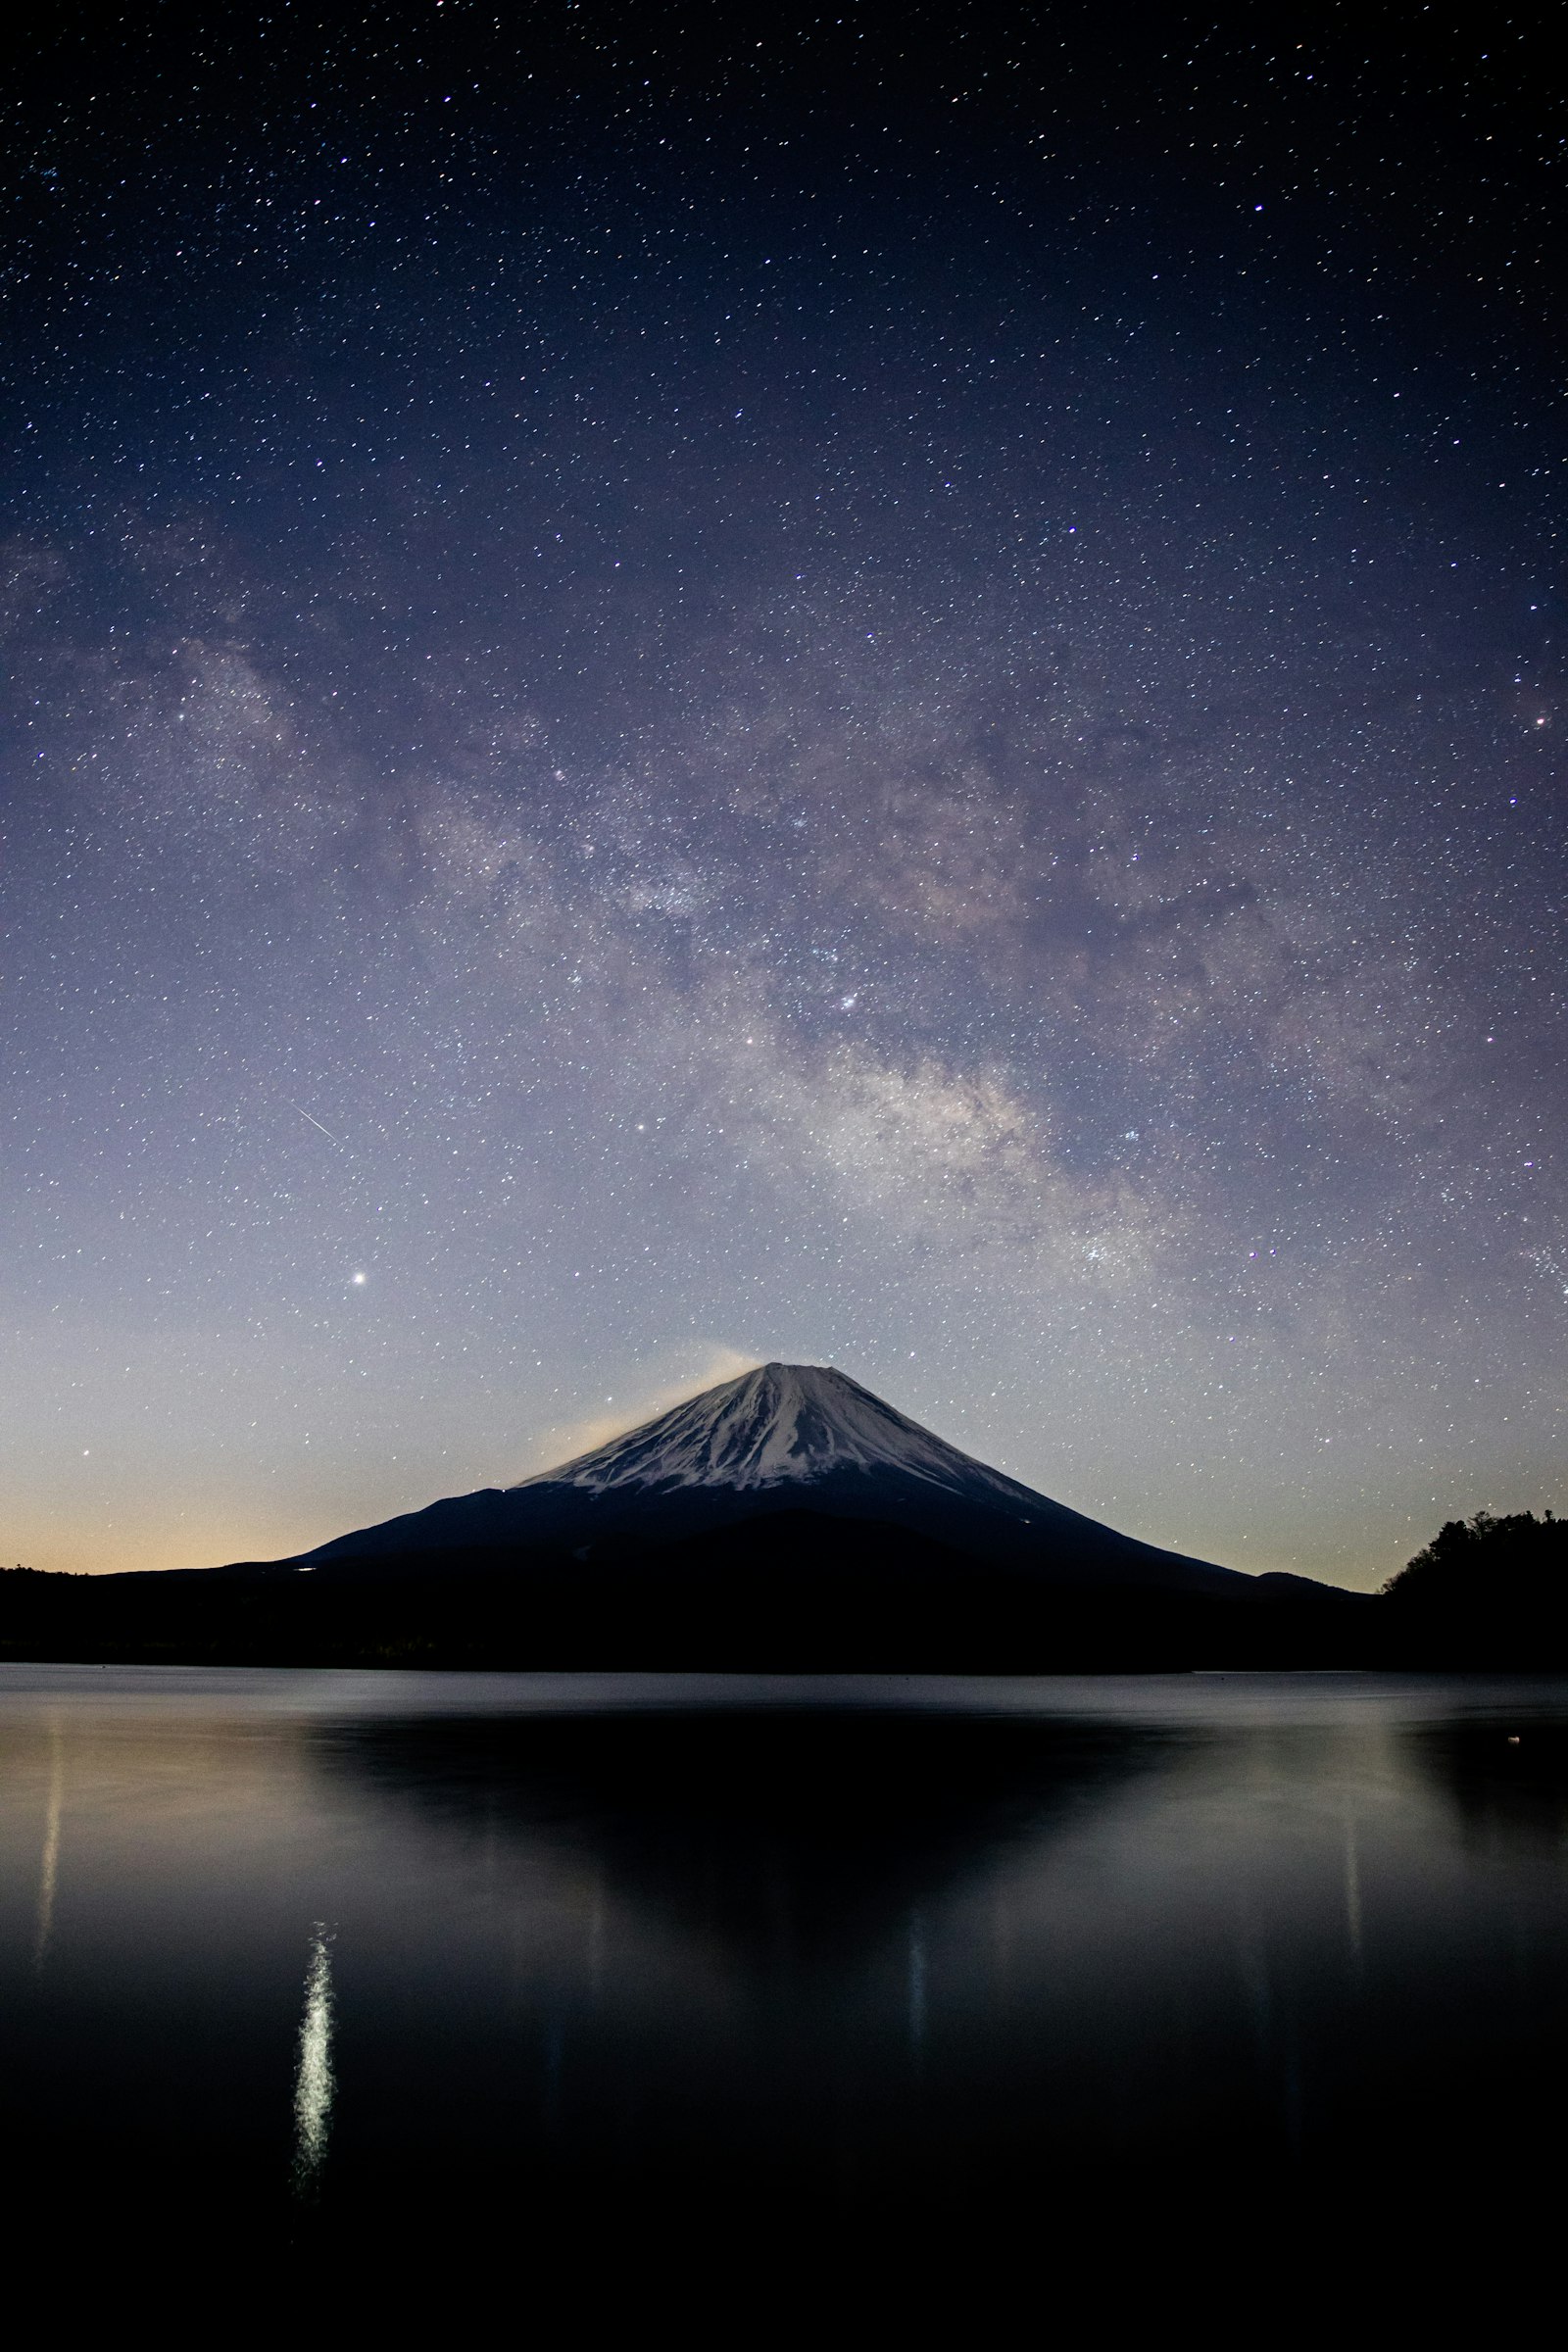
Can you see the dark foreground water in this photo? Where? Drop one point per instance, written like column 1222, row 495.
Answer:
column 620, row 1993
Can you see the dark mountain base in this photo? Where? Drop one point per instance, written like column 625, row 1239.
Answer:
column 794, row 1592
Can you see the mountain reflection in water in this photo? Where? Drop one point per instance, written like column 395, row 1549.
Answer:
column 785, row 1838
column 375, row 1975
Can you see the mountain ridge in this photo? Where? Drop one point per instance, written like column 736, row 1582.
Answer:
column 806, row 1437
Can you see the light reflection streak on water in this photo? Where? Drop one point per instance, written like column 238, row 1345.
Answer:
column 49, row 1867
column 313, row 2082
column 917, row 1987
column 1353, row 1889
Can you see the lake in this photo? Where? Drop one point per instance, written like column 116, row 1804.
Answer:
column 367, row 1984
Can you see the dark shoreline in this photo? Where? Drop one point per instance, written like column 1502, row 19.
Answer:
column 823, row 1617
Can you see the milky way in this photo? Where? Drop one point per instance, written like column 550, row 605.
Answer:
column 694, row 689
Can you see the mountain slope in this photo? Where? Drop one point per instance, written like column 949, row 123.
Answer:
column 785, row 1437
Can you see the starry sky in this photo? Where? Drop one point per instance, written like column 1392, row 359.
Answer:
column 693, row 684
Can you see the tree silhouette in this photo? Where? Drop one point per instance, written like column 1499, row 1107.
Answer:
column 1515, row 1565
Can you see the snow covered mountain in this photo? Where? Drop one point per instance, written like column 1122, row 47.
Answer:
column 784, row 1437
column 781, row 1425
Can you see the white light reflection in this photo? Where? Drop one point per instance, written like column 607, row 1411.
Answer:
column 49, row 1868
column 312, row 2084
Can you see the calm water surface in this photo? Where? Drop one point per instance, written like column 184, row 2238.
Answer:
column 365, row 1977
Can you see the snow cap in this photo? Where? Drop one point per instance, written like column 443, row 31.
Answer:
column 779, row 1425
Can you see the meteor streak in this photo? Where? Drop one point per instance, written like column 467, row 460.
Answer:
column 326, row 1131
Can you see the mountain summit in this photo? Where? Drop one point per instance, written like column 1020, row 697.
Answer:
column 797, row 1442
column 781, row 1425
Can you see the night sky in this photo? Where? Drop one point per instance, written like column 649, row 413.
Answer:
column 696, row 684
